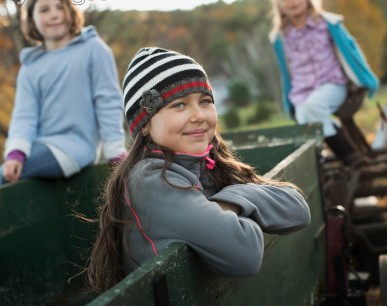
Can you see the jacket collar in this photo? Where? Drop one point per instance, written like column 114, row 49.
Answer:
column 332, row 18
column 30, row 54
column 190, row 161
column 328, row 17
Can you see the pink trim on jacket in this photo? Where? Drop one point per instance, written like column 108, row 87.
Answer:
column 139, row 224
column 210, row 162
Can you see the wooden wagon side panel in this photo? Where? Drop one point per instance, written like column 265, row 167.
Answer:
column 41, row 244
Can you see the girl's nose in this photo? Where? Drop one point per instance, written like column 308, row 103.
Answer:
column 54, row 13
column 197, row 114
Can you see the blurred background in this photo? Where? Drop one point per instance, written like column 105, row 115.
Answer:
column 229, row 38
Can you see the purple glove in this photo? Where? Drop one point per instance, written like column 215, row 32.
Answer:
column 16, row 155
column 117, row 160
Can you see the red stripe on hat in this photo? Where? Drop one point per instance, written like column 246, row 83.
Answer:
column 137, row 120
column 185, row 86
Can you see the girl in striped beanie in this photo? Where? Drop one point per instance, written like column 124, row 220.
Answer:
column 180, row 182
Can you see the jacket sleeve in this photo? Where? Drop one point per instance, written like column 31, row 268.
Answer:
column 229, row 244
column 284, row 73
column 279, row 210
column 352, row 58
column 107, row 99
column 25, row 115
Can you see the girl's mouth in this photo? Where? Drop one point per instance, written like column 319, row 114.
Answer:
column 195, row 133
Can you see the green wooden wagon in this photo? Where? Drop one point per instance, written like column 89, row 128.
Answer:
column 42, row 246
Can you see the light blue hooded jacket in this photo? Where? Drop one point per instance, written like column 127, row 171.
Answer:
column 349, row 53
column 70, row 100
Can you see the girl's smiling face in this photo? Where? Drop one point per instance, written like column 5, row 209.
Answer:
column 52, row 20
column 185, row 125
column 293, row 8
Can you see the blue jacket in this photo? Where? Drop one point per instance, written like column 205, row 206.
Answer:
column 349, row 53
column 70, row 100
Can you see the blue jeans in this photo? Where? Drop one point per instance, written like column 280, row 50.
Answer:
column 320, row 105
column 40, row 164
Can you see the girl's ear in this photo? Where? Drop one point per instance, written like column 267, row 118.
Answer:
column 146, row 129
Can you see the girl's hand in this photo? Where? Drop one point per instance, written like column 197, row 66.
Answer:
column 228, row 206
column 12, row 170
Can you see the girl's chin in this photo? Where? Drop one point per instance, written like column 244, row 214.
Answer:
column 197, row 150
column 191, row 149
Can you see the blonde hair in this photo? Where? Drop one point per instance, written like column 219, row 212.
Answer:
column 280, row 21
column 28, row 26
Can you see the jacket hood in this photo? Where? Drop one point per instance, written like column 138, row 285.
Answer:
column 30, row 54
column 332, row 18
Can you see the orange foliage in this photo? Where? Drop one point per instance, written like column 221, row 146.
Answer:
column 5, row 42
column 178, row 33
column 7, row 89
column 366, row 23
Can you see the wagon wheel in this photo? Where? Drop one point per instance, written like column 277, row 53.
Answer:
column 383, row 278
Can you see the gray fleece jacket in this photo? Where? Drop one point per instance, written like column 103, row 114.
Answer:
column 228, row 243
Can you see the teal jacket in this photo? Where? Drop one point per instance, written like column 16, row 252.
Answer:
column 349, row 53
column 160, row 214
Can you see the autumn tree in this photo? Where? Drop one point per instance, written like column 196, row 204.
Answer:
column 228, row 39
column 11, row 42
column 366, row 22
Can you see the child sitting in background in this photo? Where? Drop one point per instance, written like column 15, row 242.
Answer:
column 68, row 99
column 318, row 59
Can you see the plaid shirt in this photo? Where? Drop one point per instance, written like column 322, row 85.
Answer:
column 311, row 59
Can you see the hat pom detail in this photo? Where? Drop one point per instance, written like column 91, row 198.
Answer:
column 151, row 101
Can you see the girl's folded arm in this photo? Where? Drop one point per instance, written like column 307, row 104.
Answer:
column 276, row 209
column 227, row 243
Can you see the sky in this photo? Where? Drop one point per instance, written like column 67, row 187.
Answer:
column 140, row 5
column 144, row 5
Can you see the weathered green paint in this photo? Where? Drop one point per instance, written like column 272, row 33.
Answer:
column 39, row 239
column 265, row 158
column 291, row 134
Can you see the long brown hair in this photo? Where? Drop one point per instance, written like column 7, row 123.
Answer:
column 28, row 26
column 105, row 267
column 106, row 264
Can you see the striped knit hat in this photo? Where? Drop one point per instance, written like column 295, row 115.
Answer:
column 156, row 77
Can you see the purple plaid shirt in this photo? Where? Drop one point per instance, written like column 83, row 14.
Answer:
column 311, row 58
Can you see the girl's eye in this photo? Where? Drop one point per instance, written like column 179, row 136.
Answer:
column 43, row 9
column 206, row 101
column 178, row 105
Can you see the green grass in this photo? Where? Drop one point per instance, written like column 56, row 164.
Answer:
column 367, row 117
column 278, row 118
